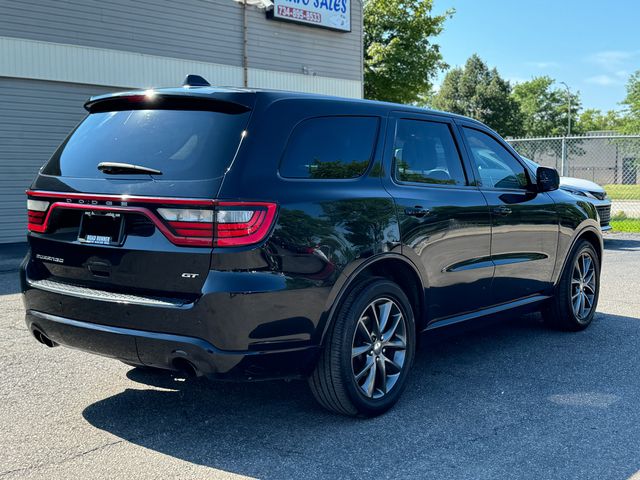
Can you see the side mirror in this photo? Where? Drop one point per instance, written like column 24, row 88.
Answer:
column 547, row 179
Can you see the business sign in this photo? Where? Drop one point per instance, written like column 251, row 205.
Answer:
column 334, row 14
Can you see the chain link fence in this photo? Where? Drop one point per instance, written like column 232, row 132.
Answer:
column 613, row 161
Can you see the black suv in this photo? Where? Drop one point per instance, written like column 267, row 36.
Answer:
column 250, row 234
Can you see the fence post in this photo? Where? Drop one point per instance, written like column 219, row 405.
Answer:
column 563, row 156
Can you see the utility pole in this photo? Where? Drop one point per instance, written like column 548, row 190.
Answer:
column 568, row 108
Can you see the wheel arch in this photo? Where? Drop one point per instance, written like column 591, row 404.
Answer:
column 589, row 233
column 392, row 266
column 595, row 239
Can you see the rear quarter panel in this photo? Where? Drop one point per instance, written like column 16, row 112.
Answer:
column 324, row 228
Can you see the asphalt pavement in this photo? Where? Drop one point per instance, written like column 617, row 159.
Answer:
column 11, row 255
column 505, row 398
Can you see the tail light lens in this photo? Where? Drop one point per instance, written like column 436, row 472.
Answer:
column 243, row 223
column 192, row 227
column 37, row 212
column 232, row 224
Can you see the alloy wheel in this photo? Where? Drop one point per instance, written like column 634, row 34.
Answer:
column 583, row 286
column 378, row 348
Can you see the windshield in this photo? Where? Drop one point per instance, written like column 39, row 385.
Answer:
column 182, row 144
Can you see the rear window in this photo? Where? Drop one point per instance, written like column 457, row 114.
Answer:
column 182, row 144
column 330, row 148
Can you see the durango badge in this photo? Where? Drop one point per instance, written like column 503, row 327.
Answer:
column 47, row 258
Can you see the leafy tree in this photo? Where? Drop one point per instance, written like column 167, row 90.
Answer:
column 593, row 120
column 631, row 121
column 481, row 93
column 544, row 109
column 400, row 59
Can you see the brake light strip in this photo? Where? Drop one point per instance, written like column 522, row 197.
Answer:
column 255, row 232
column 195, row 242
column 122, row 198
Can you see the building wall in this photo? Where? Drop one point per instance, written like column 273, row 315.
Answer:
column 605, row 158
column 189, row 29
column 35, row 117
column 54, row 55
column 207, row 31
column 289, row 47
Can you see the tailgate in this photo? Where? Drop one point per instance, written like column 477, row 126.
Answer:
column 120, row 243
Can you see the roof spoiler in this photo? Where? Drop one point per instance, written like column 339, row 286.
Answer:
column 158, row 100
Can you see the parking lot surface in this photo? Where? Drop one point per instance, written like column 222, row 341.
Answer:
column 505, row 398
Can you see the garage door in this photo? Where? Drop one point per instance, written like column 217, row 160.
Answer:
column 35, row 117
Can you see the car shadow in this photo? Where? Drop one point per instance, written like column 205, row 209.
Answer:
column 507, row 398
column 624, row 244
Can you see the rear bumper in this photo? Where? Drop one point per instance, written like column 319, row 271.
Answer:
column 163, row 350
column 243, row 326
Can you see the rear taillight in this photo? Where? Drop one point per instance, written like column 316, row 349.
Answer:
column 232, row 224
column 243, row 223
column 184, row 221
column 37, row 212
column 190, row 225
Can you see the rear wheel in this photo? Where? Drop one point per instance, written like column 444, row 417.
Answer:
column 574, row 304
column 369, row 351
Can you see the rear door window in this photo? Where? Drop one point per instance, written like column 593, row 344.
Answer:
column 182, row 144
column 330, row 148
column 425, row 152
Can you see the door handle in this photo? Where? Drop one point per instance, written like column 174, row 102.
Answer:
column 417, row 211
column 502, row 211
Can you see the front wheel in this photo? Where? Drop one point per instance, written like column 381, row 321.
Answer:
column 369, row 351
column 576, row 298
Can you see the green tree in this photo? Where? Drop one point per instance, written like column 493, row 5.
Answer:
column 400, row 59
column 593, row 120
column 481, row 93
column 631, row 120
column 545, row 109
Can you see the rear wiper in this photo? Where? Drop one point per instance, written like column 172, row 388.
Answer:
column 116, row 168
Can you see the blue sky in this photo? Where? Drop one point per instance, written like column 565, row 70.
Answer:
column 591, row 45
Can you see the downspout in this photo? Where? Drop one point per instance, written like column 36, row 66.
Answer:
column 245, row 43
column 361, row 48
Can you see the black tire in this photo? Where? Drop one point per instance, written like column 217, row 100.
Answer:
column 334, row 383
column 559, row 312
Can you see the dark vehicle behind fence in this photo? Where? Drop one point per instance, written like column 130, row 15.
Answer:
column 248, row 234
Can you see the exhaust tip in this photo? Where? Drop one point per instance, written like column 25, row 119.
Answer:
column 43, row 339
column 185, row 367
